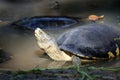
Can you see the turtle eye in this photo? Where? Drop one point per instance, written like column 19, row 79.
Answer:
column 40, row 32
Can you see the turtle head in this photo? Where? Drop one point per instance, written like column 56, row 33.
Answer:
column 41, row 35
column 42, row 38
column 49, row 45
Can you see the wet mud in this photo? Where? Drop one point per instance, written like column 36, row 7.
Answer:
column 61, row 74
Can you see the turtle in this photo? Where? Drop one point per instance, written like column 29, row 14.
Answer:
column 89, row 42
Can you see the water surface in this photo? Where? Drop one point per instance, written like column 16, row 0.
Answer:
column 22, row 44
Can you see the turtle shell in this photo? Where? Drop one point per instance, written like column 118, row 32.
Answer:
column 93, row 41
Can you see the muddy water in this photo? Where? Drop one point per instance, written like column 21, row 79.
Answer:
column 22, row 45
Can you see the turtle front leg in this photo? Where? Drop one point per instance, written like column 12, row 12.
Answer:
column 49, row 45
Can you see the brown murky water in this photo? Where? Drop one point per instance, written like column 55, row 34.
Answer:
column 23, row 46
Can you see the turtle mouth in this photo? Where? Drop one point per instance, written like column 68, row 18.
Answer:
column 37, row 33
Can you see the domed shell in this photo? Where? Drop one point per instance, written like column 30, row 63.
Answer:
column 91, row 41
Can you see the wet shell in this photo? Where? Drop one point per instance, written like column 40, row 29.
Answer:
column 93, row 41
